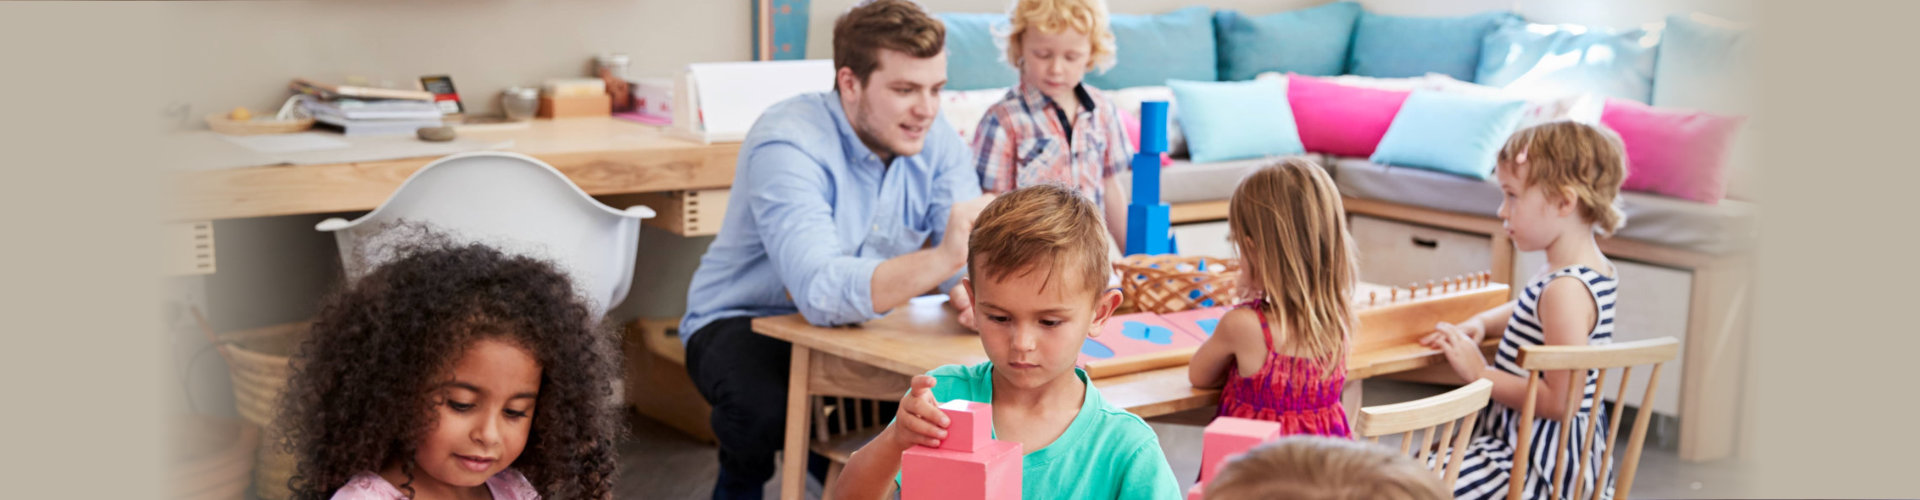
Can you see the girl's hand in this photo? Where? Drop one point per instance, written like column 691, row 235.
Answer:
column 1460, row 348
column 919, row 421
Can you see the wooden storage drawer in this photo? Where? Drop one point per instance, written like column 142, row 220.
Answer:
column 688, row 213
column 1652, row 303
column 1204, row 238
column 1397, row 253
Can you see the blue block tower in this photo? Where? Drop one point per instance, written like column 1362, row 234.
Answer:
column 1149, row 227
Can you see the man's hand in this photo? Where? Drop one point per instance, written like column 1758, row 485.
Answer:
column 960, row 226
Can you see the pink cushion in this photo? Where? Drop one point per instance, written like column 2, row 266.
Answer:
column 1338, row 119
column 1673, row 152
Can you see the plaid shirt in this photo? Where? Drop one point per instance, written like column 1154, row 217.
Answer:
column 1022, row 141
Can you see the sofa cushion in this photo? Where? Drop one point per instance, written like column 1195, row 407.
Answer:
column 1725, row 227
column 1236, row 120
column 1311, row 41
column 1569, row 60
column 975, row 59
column 1396, row 46
column 1151, row 49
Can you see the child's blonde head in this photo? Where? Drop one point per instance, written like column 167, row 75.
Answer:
column 1291, row 230
column 1056, row 16
column 1046, row 228
column 1569, row 159
column 1323, row 468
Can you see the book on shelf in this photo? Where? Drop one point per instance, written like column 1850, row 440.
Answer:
column 375, row 109
column 329, row 91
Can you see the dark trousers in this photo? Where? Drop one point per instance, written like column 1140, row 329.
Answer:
column 744, row 376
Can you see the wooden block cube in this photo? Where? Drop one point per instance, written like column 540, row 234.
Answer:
column 1227, row 437
column 991, row 471
column 1196, row 493
column 971, row 425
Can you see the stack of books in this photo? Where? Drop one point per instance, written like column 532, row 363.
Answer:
column 358, row 111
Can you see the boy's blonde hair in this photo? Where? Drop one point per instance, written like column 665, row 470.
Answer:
column 1568, row 157
column 1291, row 229
column 1324, row 468
column 1056, row 16
column 1048, row 228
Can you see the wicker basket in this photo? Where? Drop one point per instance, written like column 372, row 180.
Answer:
column 260, row 362
column 1173, row 283
column 220, row 123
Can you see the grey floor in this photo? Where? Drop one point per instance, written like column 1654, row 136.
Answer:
column 659, row 462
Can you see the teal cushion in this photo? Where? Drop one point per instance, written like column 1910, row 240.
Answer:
column 1401, row 47
column 1569, row 60
column 974, row 57
column 1704, row 62
column 1235, row 120
column 1449, row 132
column 1151, row 49
column 1307, row 41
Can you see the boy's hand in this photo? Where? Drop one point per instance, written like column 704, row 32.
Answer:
column 919, row 421
column 1461, row 349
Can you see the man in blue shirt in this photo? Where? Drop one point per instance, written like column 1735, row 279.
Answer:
column 845, row 205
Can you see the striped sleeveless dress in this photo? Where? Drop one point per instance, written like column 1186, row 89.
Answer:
column 1488, row 464
column 1288, row 389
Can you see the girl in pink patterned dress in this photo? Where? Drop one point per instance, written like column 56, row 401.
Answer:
column 1282, row 356
column 453, row 373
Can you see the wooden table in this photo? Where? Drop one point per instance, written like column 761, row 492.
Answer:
column 876, row 360
column 604, row 156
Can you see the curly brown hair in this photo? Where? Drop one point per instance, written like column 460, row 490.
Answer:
column 360, row 395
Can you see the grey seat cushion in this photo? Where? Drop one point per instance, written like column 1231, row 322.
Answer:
column 1185, row 181
column 1719, row 228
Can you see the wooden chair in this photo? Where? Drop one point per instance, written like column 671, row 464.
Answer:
column 1457, row 409
column 1578, row 361
column 859, row 420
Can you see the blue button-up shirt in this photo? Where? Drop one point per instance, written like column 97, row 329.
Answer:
column 813, row 212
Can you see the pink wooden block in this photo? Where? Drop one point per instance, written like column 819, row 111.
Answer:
column 992, row 471
column 971, row 425
column 1195, row 493
column 1229, row 436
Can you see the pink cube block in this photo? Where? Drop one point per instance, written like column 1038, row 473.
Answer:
column 971, row 425
column 991, row 471
column 1227, row 437
column 1195, row 493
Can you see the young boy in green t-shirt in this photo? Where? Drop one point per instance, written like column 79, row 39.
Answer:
column 1037, row 273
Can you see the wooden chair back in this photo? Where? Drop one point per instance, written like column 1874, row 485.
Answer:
column 1578, row 362
column 1456, row 410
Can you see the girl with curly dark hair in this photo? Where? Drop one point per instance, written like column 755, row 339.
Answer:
column 454, row 372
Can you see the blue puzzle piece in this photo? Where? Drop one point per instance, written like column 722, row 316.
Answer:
column 1096, row 349
column 1207, row 325
column 1142, row 331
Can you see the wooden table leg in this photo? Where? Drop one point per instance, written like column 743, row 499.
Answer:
column 793, row 462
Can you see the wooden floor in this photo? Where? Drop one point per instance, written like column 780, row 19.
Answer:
column 659, row 462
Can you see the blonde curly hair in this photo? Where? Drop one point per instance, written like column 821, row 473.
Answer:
column 1056, row 16
column 1569, row 158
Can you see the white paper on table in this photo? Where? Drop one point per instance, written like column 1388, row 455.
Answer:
column 732, row 95
column 289, row 143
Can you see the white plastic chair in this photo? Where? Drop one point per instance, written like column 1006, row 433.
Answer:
column 512, row 202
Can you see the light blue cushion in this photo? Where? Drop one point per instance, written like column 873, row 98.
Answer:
column 1307, row 41
column 1235, row 120
column 1449, row 132
column 974, row 57
column 1569, row 59
column 1401, row 47
column 1703, row 63
column 1152, row 49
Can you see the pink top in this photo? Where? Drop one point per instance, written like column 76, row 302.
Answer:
column 507, row 485
column 1289, row 390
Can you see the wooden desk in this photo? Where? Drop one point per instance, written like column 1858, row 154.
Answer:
column 876, row 360
column 603, row 156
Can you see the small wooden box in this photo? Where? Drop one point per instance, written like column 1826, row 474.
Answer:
column 575, row 106
column 688, row 213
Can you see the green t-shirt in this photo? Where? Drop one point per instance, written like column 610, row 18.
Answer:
column 1106, row 453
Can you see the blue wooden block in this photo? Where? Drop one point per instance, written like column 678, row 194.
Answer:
column 1153, row 127
column 1146, row 178
column 1148, row 229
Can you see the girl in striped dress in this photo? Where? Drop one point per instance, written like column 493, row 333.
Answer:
column 1282, row 357
column 1560, row 181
